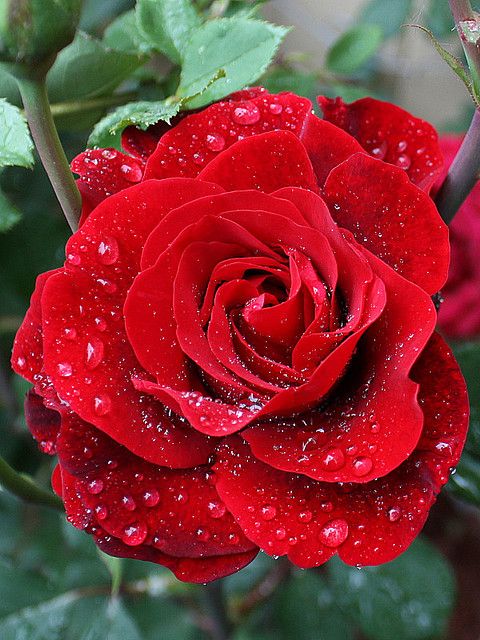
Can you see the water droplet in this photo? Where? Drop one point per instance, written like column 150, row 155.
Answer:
column 334, row 532
column 216, row 509
column 280, row 533
column 101, row 324
column 375, row 427
column 268, row 512
column 108, row 251
column 102, row 405
column 151, row 498
column 326, row 506
column 394, row 514
column 246, row 114
column 21, row 362
column 132, row 173
column 182, row 497
column 109, row 154
column 401, row 146
column 333, row 459
column 128, row 503
column 305, row 516
column 159, row 543
column 380, row 150
column 47, row 446
column 362, row 466
column 215, row 142
column 95, row 486
column 74, row 259
column 203, row 535
column 275, row 108
column 135, row 534
column 64, row 369
column 108, row 285
column 233, row 538
column 70, row 333
column 101, row 511
column 94, row 353
column 292, row 541
column 403, row 161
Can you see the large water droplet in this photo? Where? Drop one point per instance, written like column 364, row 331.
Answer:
column 21, row 363
column 108, row 251
column 101, row 511
column 380, row 150
column 70, row 333
column 403, row 161
column 215, row 142
column 182, row 497
column 333, row 459
column 247, row 114
column 268, row 512
column 216, row 509
column 94, row 353
column 275, row 108
column 135, row 534
column 394, row 514
column 132, row 173
column 128, row 503
column 280, row 533
column 203, row 535
column 362, row 466
column 151, row 498
column 95, row 486
column 74, row 259
column 305, row 516
column 102, row 405
column 334, row 532
column 64, row 369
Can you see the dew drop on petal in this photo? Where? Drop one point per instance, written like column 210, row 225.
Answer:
column 70, row 333
column 132, row 173
column 275, row 108
column 305, row 516
column 233, row 538
column 215, row 142
column 334, row 532
column 95, row 486
column 101, row 511
column 94, row 353
column 182, row 497
column 380, row 150
column 362, row 466
column 216, row 509
column 64, row 369
column 268, row 512
column 108, row 251
column 151, row 498
column 128, row 503
column 74, row 259
column 203, row 535
column 21, row 362
column 333, row 459
column 403, row 161
column 101, row 324
column 280, row 533
column 134, row 534
column 394, row 514
column 102, row 405
column 246, row 114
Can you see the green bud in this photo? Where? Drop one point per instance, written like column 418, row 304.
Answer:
column 32, row 32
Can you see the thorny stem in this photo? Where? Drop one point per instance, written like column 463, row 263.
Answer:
column 462, row 12
column 215, row 601
column 50, row 150
column 25, row 488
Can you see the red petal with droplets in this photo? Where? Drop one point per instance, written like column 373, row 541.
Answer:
column 391, row 217
column 391, row 134
column 196, row 141
column 43, row 423
column 90, row 368
column 365, row 524
column 266, row 162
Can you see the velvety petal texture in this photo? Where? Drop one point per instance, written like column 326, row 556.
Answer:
column 239, row 351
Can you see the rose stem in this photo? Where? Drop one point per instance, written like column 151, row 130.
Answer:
column 214, row 597
column 25, row 488
column 40, row 120
column 464, row 171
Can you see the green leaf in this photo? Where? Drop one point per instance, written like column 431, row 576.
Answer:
column 439, row 19
column 388, row 15
column 115, row 568
column 305, row 609
column 140, row 114
column 158, row 617
column 9, row 215
column 16, row 145
column 123, row 34
column 87, row 68
column 454, row 63
column 243, row 47
column 409, row 598
column 280, row 78
column 166, row 24
column 354, row 48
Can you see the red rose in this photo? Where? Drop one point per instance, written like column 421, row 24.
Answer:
column 459, row 315
column 241, row 347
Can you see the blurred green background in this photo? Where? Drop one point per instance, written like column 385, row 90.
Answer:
column 53, row 583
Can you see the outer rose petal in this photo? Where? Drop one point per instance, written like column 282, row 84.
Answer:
column 365, row 524
column 391, row 217
column 194, row 142
column 92, row 367
column 104, row 172
column 199, row 569
column 391, row 134
column 43, row 423
column 266, row 162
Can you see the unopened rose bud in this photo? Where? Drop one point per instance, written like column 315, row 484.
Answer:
column 33, row 31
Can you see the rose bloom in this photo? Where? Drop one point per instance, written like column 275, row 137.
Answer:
column 459, row 315
column 239, row 351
